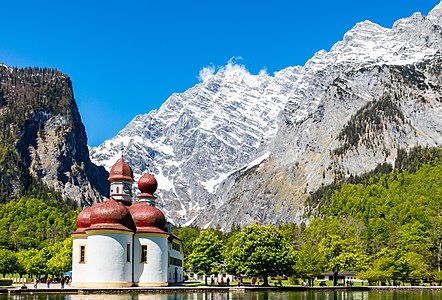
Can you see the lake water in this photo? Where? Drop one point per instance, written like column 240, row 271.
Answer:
column 308, row 295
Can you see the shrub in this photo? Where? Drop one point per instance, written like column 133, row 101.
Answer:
column 5, row 282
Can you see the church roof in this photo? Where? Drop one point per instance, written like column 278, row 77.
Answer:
column 121, row 171
column 148, row 218
column 111, row 214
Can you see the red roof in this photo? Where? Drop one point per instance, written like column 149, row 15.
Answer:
column 147, row 184
column 148, row 218
column 83, row 220
column 121, row 171
column 111, row 214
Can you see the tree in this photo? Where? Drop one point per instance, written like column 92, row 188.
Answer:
column 310, row 263
column 32, row 261
column 61, row 260
column 340, row 254
column 8, row 262
column 261, row 251
column 381, row 268
column 207, row 254
column 188, row 235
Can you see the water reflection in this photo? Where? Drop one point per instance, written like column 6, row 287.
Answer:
column 241, row 295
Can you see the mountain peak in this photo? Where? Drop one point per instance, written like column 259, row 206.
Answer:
column 435, row 15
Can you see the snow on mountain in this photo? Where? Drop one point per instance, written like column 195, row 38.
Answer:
column 200, row 142
column 351, row 108
column 197, row 138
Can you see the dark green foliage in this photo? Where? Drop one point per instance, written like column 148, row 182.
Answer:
column 413, row 159
column 395, row 215
column 368, row 122
column 5, row 282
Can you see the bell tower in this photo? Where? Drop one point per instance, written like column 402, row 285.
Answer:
column 121, row 178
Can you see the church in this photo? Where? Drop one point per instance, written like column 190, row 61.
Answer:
column 125, row 242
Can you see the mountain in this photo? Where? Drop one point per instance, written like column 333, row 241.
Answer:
column 43, row 138
column 197, row 138
column 256, row 146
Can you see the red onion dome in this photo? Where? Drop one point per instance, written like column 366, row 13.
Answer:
column 121, row 171
column 111, row 214
column 147, row 184
column 83, row 221
column 148, row 218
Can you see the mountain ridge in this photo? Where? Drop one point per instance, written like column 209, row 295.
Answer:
column 310, row 105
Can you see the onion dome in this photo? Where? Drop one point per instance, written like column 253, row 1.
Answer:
column 147, row 184
column 148, row 218
column 121, row 171
column 83, row 221
column 111, row 214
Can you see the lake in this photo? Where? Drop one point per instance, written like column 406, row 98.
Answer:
column 270, row 295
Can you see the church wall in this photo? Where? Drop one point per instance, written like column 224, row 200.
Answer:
column 107, row 260
column 79, row 269
column 154, row 270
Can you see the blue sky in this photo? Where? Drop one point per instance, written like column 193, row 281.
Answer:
column 127, row 57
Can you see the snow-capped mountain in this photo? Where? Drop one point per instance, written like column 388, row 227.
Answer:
column 376, row 91
column 262, row 143
column 197, row 138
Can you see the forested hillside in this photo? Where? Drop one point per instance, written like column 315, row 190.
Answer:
column 386, row 224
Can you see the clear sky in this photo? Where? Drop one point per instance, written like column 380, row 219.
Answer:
column 127, row 57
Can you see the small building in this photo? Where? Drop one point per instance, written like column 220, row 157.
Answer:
column 344, row 277
column 124, row 242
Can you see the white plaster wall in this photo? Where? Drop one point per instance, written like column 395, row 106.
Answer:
column 106, row 257
column 155, row 270
column 79, row 271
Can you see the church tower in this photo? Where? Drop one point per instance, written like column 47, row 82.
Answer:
column 121, row 178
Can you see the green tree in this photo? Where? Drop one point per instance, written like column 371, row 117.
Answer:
column 207, row 254
column 8, row 262
column 261, row 251
column 188, row 235
column 340, row 254
column 310, row 263
column 61, row 260
column 32, row 261
column 381, row 268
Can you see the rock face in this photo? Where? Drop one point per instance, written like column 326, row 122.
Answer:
column 40, row 119
column 229, row 160
column 197, row 138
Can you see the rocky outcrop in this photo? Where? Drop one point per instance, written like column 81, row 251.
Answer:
column 40, row 118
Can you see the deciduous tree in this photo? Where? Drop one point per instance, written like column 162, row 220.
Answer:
column 207, row 254
column 261, row 251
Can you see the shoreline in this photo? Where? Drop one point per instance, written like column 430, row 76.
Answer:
column 187, row 289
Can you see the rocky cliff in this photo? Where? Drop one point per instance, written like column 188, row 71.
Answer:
column 42, row 137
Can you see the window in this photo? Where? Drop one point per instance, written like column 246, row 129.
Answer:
column 82, row 254
column 144, row 254
column 127, row 252
column 175, row 261
column 176, row 246
column 118, row 190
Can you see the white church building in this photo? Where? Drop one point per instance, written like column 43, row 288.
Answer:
column 124, row 242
